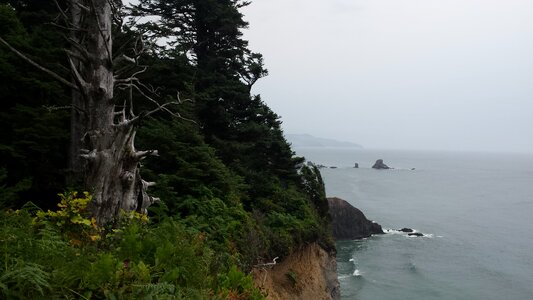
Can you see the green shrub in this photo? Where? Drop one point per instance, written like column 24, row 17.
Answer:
column 52, row 255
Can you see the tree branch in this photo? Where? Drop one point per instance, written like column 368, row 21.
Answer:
column 47, row 71
column 139, row 155
column 77, row 76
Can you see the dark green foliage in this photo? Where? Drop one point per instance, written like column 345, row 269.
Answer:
column 9, row 194
column 34, row 135
column 133, row 261
column 233, row 193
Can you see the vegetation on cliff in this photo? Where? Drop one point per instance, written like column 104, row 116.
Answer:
column 232, row 192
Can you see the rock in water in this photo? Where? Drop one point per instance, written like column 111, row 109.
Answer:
column 406, row 230
column 348, row 222
column 380, row 165
column 356, row 165
column 415, row 234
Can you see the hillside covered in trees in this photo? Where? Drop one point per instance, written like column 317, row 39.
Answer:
column 83, row 85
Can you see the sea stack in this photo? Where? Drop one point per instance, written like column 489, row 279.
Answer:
column 380, row 165
column 356, row 165
column 348, row 222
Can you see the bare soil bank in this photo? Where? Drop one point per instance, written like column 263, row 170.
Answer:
column 309, row 273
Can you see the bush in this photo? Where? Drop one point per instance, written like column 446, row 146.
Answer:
column 54, row 254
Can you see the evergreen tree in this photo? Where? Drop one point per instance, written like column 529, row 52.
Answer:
column 34, row 117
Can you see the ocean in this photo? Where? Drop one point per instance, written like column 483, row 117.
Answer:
column 475, row 210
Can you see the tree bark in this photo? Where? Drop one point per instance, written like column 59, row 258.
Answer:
column 102, row 150
column 112, row 173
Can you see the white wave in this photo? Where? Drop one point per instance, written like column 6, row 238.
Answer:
column 406, row 234
column 357, row 273
column 392, row 231
column 425, row 235
column 351, row 259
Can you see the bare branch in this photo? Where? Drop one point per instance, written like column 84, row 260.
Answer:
column 130, row 98
column 115, row 13
column 51, row 108
column 85, row 8
column 79, row 47
column 76, row 55
column 73, row 28
column 119, row 49
column 121, row 58
column 139, row 155
column 89, row 156
column 179, row 98
column 77, row 76
column 62, row 12
column 147, row 184
column 133, row 78
column 149, row 113
column 47, row 71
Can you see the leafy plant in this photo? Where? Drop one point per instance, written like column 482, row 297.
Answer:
column 293, row 277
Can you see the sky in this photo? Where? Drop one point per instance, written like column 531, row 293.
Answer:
column 399, row 74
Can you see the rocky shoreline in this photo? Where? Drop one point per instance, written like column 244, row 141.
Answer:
column 348, row 222
column 311, row 272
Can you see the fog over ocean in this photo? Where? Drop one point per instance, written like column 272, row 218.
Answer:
column 474, row 208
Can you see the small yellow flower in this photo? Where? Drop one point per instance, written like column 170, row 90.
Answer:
column 94, row 238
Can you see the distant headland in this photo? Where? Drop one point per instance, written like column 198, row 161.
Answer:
column 307, row 140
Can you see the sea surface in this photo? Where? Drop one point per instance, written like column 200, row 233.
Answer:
column 475, row 210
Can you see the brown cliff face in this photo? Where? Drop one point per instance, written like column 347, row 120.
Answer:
column 348, row 222
column 310, row 273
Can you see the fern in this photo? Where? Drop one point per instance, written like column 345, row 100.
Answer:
column 24, row 278
column 153, row 289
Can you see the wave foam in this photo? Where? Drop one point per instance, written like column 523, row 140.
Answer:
column 406, row 234
column 357, row 273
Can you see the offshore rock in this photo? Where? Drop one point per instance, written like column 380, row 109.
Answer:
column 356, row 165
column 348, row 222
column 406, row 230
column 380, row 165
column 415, row 234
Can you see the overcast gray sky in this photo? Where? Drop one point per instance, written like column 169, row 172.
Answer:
column 400, row 74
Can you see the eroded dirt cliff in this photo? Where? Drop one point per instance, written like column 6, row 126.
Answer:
column 309, row 273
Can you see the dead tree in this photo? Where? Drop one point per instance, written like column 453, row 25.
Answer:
column 103, row 127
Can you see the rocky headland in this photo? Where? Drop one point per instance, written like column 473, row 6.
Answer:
column 311, row 272
column 348, row 222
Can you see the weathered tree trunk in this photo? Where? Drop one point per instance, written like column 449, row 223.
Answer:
column 112, row 174
column 102, row 136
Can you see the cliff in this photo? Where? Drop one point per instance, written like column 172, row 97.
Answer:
column 309, row 273
column 348, row 222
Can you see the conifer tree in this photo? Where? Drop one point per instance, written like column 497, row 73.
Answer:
column 103, row 124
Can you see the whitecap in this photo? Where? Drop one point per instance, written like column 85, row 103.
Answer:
column 425, row 235
column 351, row 259
column 357, row 273
column 392, row 231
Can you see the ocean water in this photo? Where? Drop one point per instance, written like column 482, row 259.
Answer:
column 476, row 210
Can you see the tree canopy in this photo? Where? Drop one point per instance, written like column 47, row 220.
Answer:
column 224, row 171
